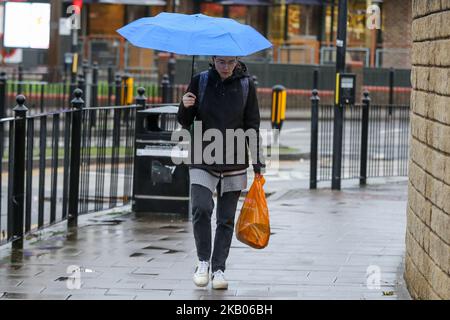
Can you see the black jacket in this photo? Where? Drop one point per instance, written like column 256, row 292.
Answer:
column 223, row 108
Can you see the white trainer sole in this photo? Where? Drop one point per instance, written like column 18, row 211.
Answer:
column 201, row 281
column 216, row 285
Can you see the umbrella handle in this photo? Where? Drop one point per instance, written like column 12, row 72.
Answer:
column 192, row 69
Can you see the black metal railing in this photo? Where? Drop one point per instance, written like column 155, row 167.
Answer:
column 58, row 165
column 43, row 97
column 375, row 141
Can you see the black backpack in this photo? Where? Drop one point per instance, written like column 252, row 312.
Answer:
column 203, row 81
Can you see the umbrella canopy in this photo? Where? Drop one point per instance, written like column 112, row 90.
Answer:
column 195, row 34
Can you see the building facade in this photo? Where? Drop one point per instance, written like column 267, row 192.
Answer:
column 427, row 271
column 302, row 31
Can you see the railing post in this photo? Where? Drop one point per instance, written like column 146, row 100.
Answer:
column 118, row 85
column 110, row 83
column 20, row 79
column 81, row 84
column 141, row 101
column 74, row 177
column 314, row 139
column 41, row 101
column 391, row 86
column 391, row 89
column 18, row 194
column 316, row 79
column 94, row 94
column 364, row 139
column 94, row 99
column 86, row 88
column 3, row 87
column 165, row 86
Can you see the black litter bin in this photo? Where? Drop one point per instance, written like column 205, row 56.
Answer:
column 159, row 185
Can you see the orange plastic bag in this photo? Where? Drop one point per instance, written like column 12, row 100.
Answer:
column 253, row 227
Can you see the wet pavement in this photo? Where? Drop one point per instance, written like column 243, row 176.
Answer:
column 324, row 245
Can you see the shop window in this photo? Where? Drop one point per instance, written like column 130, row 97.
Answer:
column 238, row 13
column 99, row 13
column 212, row 9
column 276, row 23
column 358, row 35
column 294, row 12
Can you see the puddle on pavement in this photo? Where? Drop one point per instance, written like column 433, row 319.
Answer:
column 106, row 222
column 137, row 254
column 169, row 251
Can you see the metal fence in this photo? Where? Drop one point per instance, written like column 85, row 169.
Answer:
column 328, row 55
column 375, row 141
column 393, row 58
column 296, row 54
column 43, row 97
column 58, row 165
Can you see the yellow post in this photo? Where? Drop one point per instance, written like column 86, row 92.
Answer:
column 75, row 63
column 130, row 83
column 278, row 106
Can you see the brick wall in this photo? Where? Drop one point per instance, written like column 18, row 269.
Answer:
column 427, row 270
column 397, row 18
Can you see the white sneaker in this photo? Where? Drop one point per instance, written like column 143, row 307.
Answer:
column 201, row 275
column 218, row 280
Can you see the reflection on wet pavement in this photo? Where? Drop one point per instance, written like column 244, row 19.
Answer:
column 321, row 246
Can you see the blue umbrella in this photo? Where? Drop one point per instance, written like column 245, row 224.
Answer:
column 195, row 34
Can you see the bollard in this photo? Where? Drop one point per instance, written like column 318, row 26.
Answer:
column 127, row 95
column 128, row 83
column 314, row 139
column 278, row 109
column 18, row 194
column 165, row 88
column 364, row 139
column 74, row 173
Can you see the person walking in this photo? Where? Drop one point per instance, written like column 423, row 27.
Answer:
column 221, row 98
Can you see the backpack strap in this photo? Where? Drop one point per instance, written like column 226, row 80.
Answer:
column 203, row 81
column 245, row 85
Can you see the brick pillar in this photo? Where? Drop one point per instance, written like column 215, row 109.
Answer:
column 427, row 266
